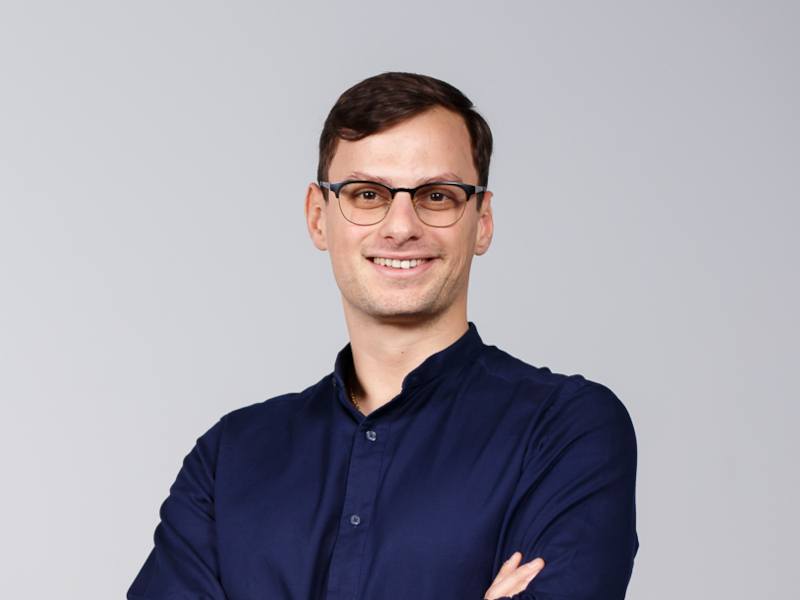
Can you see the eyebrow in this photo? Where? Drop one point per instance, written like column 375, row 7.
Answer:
column 445, row 176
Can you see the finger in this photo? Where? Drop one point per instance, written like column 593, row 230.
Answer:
column 536, row 564
column 526, row 573
column 506, row 569
column 516, row 581
column 509, row 566
column 512, row 563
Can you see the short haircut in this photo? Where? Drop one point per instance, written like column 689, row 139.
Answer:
column 381, row 101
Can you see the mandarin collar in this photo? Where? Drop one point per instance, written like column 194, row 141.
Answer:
column 450, row 359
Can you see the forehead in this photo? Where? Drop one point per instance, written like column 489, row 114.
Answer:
column 435, row 141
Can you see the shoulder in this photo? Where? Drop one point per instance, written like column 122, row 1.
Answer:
column 504, row 367
column 559, row 401
column 265, row 418
column 275, row 410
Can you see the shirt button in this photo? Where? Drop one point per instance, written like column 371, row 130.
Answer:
column 371, row 435
column 355, row 520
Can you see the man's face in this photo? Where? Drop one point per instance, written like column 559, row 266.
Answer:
column 434, row 145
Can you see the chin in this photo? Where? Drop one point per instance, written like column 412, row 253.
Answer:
column 402, row 319
column 401, row 313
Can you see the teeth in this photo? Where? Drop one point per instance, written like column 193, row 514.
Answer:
column 398, row 264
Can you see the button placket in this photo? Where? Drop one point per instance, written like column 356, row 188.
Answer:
column 363, row 477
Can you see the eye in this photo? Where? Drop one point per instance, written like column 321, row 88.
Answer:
column 365, row 195
column 439, row 195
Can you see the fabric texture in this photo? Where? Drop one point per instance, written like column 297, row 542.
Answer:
column 302, row 497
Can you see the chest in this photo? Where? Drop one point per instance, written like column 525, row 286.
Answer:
column 331, row 511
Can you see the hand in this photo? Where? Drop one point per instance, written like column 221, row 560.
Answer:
column 512, row 578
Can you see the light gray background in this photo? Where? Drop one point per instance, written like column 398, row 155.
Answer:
column 156, row 271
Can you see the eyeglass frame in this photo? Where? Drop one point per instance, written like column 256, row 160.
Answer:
column 468, row 188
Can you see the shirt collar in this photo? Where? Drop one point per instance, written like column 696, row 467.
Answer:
column 450, row 359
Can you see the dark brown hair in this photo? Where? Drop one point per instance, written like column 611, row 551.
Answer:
column 381, row 101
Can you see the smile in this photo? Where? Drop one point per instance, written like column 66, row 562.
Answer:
column 395, row 263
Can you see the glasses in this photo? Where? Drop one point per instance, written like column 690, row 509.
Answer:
column 438, row 204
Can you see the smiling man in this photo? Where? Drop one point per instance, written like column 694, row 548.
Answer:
column 427, row 464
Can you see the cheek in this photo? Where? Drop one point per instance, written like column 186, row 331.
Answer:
column 344, row 250
column 463, row 260
column 462, row 247
column 462, row 269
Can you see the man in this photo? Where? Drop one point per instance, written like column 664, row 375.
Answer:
column 427, row 464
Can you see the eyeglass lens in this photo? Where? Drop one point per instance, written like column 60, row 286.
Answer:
column 438, row 204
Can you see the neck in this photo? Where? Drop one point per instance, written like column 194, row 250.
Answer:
column 384, row 352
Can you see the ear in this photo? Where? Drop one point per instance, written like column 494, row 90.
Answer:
column 316, row 212
column 485, row 230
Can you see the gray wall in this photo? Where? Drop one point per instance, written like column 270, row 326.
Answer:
column 156, row 272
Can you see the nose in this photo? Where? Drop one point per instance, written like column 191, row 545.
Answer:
column 401, row 223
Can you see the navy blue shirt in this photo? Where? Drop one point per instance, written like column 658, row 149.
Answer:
column 302, row 497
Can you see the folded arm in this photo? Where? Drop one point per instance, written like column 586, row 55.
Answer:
column 183, row 562
column 574, row 505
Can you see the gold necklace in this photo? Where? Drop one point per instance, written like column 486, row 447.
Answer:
column 350, row 384
column 354, row 401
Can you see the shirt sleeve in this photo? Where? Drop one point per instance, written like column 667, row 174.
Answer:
column 575, row 502
column 183, row 563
